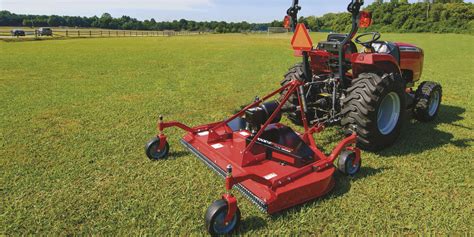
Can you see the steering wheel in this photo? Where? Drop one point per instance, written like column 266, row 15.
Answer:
column 368, row 43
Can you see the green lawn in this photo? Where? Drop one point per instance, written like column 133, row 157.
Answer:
column 75, row 115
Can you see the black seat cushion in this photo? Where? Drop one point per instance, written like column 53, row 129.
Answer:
column 339, row 38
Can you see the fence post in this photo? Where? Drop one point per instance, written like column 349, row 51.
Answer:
column 78, row 33
column 90, row 33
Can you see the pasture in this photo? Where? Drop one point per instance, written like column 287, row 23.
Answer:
column 75, row 115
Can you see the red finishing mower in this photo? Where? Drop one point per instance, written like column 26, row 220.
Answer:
column 277, row 168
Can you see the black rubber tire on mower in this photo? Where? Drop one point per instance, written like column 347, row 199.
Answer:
column 345, row 163
column 361, row 108
column 423, row 98
column 295, row 72
column 151, row 149
column 218, row 209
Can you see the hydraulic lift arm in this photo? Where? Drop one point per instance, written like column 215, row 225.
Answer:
column 293, row 13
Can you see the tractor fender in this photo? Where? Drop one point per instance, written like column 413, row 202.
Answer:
column 375, row 63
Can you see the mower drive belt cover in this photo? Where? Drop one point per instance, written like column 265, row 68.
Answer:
column 283, row 144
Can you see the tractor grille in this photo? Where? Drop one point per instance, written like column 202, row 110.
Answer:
column 249, row 195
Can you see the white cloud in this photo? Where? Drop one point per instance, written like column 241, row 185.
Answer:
column 70, row 6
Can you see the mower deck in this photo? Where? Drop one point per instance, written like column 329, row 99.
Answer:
column 273, row 166
column 219, row 155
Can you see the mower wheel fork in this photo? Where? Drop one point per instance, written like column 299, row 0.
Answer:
column 231, row 206
column 162, row 138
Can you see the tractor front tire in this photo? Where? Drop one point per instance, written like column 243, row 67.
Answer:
column 375, row 108
column 428, row 98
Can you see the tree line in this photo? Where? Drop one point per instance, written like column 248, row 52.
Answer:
column 442, row 16
column 106, row 21
column 439, row 16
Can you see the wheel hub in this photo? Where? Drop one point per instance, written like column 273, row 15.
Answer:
column 388, row 113
column 220, row 226
column 434, row 103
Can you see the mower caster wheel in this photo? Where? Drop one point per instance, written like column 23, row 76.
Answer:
column 215, row 216
column 151, row 149
column 347, row 163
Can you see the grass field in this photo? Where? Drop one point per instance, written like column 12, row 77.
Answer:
column 75, row 115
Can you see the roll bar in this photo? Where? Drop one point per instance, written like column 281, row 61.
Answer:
column 293, row 13
column 353, row 8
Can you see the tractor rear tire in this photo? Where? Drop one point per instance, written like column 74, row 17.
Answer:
column 295, row 72
column 375, row 108
column 428, row 98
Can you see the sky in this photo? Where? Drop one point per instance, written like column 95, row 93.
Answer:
column 255, row 11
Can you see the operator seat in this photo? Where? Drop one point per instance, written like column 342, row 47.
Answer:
column 339, row 38
column 385, row 47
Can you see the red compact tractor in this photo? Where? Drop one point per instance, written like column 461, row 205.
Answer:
column 370, row 90
column 277, row 168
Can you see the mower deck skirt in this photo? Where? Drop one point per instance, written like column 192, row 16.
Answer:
column 249, row 195
column 217, row 156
